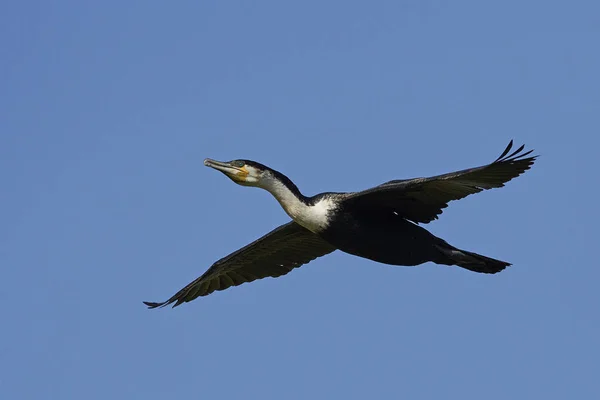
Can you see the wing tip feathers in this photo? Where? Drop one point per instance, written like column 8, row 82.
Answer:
column 152, row 305
column 516, row 155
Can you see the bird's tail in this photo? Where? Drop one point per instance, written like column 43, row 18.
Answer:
column 472, row 261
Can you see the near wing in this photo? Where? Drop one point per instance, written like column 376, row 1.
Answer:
column 422, row 199
column 277, row 253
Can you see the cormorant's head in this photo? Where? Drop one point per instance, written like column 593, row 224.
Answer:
column 242, row 172
column 251, row 173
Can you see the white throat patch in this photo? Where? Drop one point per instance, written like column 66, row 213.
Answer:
column 315, row 217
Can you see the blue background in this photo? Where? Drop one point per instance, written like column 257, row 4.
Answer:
column 108, row 109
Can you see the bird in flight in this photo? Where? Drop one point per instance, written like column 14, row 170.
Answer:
column 380, row 223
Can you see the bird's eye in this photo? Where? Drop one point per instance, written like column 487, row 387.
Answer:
column 238, row 163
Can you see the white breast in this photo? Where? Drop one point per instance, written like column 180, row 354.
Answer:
column 315, row 217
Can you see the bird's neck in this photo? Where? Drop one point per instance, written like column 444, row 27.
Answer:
column 288, row 196
column 311, row 216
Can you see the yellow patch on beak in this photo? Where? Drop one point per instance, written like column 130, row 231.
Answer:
column 240, row 174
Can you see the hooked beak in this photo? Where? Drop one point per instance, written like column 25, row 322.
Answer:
column 235, row 173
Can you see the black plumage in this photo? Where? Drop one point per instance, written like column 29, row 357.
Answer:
column 380, row 224
column 276, row 253
column 422, row 199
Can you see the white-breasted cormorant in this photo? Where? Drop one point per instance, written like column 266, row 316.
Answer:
column 380, row 223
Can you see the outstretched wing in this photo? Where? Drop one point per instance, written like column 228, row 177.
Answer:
column 277, row 253
column 422, row 199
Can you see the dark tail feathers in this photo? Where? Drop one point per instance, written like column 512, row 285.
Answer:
column 472, row 261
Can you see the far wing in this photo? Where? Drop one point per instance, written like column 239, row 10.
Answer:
column 277, row 253
column 422, row 199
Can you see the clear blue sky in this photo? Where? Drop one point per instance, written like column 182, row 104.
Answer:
column 108, row 109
